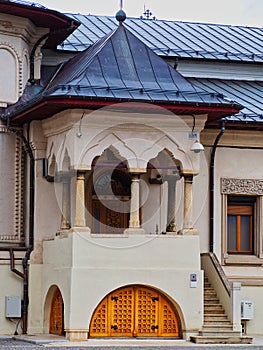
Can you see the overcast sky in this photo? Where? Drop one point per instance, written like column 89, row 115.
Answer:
column 236, row 12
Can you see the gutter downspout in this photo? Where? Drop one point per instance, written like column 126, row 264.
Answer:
column 32, row 54
column 30, row 247
column 211, row 187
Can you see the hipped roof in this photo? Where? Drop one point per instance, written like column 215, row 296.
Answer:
column 121, row 68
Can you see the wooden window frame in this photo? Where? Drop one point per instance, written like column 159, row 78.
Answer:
column 256, row 258
column 239, row 210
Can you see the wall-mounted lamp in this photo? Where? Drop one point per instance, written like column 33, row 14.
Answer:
column 79, row 132
column 197, row 147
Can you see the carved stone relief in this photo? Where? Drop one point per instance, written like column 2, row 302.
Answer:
column 242, row 186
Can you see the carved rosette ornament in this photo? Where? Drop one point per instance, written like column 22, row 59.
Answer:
column 242, row 186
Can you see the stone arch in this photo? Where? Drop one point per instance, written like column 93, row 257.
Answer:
column 54, row 311
column 138, row 149
column 137, row 311
column 105, row 142
column 164, row 164
column 12, row 73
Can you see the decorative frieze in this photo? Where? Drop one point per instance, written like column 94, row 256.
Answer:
column 9, row 238
column 242, row 186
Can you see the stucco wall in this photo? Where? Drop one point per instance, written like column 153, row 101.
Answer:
column 87, row 267
column 11, row 285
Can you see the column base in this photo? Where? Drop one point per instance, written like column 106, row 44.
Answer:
column 80, row 229
column 66, row 232
column 134, row 231
column 76, row 334
column 171, row 233
column 188, row 231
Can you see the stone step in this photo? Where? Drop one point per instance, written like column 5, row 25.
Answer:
column 216, row 318
column 209, row 292
column 218, row 328
column 226, row 332
column 214, row 310
column 220, row 324
column 211, row 301
column 221, row 340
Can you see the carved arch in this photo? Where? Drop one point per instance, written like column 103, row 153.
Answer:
column 16, row 71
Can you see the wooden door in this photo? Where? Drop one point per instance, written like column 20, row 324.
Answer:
column 135, row 311
column 110, row 216
column 56, row 314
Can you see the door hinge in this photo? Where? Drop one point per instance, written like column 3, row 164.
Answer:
column 115, row 298
column 154, row 327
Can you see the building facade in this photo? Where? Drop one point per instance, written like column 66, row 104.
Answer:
column 115, row 220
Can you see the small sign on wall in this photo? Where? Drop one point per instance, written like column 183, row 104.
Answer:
column 193, row 280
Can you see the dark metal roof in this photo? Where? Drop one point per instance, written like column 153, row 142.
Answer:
column 119, row 68
column 175, row 39
column 248, row 93
column 59, row 24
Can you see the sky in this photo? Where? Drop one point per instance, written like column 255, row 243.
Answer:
column 235, row 12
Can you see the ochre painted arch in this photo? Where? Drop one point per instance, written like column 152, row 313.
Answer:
column 135, row 311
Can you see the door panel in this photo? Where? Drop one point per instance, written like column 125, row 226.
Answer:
column 121, row 313
column 100, row 324
column 111, row 217
column 135, row 311
column 146, row 313
column 56, row 314
column 168, row 320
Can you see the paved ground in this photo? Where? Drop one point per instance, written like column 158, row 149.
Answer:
column 32, row 343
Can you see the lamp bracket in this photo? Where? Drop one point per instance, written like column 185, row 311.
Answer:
column 192, row 135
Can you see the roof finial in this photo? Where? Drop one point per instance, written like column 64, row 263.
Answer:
column 121, row 15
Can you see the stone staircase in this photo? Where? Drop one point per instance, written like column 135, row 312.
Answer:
column 217, row 328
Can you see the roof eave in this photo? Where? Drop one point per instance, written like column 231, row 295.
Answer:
column 59, row 24
column 55, row 104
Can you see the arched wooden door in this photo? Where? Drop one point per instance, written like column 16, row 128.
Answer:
column 57, row 314
column 135, row 311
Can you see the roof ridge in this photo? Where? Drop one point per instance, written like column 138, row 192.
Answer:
column 168, row 20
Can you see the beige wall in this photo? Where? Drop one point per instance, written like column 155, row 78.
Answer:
column 11, row 285
column 86, row 267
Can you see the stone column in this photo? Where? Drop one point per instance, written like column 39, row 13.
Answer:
column 171, row 205
column 65, row 218
column 134, row 222
column 188, row 204
column 80, row 220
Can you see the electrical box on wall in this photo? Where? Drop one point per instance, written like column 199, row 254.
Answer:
column 13, row 306
column 247, row 310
